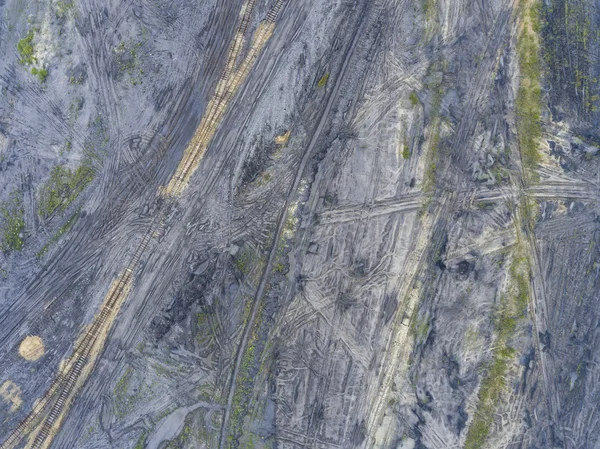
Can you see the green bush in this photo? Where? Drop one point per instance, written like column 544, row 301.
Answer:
column 25, row 49
column 41, row 74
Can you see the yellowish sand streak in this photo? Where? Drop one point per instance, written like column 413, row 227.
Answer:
column 215, row 111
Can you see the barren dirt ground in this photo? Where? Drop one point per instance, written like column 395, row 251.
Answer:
column 299, row 224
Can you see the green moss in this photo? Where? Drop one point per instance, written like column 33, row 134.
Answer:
column 406, row 154
column 122, row 404
column 25, row 49
column 323, row 80
column 500, row 173
column 12, row 221
column 63, row 187
column 433, row 157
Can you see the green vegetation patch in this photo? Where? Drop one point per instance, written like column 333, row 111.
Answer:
column 434, row 153
column 12, row 223
column 141, row 441
column 420, row 328
column 40, row 73
column 124, row 401
column 323, row 80
column 25, row 49
column 128, row 61
column 511, row 309
column 245, row 260
column 529, row 95
column 63, row 187
column 569, row 37
column 413, row 98
column 62, row 8
column 242, row 398
column 429, row 8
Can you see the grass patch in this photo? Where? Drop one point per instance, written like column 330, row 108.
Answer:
column 429, row 8
column 63, row 8
column 25, row 49
column 414, row 100
column 26, row 55
column 420, row 329
column 12, row 221
column 125, row 402
column 63, row 187
column 244, row 261
column 529, row 95
column 242, row 398
column 434, row 125
column 128, row 60
column 42, row 74
column 510, row 310
column 141, row 441
column 323, row 80
column 569, row 38
column 432, row 159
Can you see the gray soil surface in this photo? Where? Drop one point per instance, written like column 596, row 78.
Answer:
column 396, row 274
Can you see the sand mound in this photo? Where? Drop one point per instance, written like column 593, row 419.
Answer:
column 32, row 348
